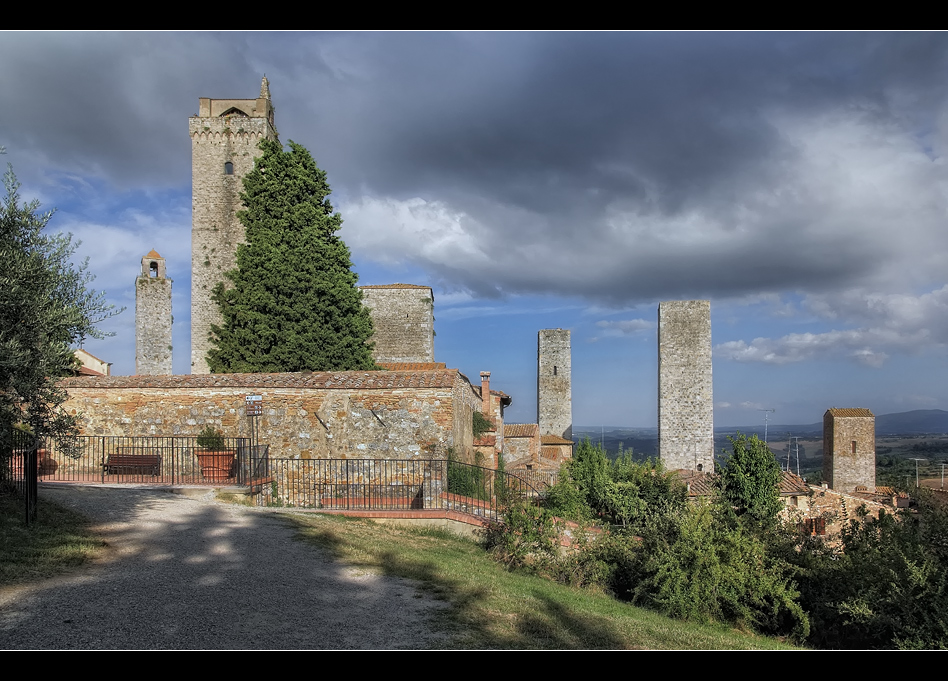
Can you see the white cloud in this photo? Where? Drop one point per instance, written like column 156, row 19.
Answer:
column 625, row 327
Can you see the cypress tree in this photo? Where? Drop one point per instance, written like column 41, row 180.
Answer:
column 293, row 304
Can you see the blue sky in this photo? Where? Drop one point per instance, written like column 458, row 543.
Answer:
column 551, row 180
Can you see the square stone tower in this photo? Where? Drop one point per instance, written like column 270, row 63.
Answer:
column 403, row 319
column 224, row 143
column 685, row 403
column 554, row 390
column 153, row 317
column 849, row 449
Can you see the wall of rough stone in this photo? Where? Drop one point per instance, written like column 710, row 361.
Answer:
column 380, row 414
column 554, row 390
column 843, row 469
column 153, row 350
column 403, row 319
column 215, row 200
column 685, row 401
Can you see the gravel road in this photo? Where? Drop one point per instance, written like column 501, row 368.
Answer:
column 186, row 573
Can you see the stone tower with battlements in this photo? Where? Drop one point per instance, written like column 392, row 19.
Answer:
column 153, row 318
column 224, row 143
column 685, row 403
column 554, row 391
column 403, row 320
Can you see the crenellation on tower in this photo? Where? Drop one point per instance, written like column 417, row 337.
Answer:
column 554, row 389
column 225, row 138
column 153, row 349
column 685, row 400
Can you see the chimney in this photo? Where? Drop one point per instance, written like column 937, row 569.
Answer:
column 485, row 396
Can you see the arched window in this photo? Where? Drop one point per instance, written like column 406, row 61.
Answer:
column 228, row 168
column 153, row 269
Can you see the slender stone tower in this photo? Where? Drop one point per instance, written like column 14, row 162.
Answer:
column 224, row 143
column 554, row 392
column 153, row 317
column 685, row 403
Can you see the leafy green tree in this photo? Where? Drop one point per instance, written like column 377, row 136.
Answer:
column 293, row 304
column 748, row 481
column 46, row 308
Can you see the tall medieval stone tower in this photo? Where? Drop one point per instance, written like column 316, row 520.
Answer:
column 153, row 318
column 685, row 404
column 224, row 139
column 554, row 391
column 849, row 449
column 403, row 320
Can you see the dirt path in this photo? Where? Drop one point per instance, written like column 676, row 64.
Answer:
column 191, row 574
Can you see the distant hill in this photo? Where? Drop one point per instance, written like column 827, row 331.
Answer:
column 644, row 440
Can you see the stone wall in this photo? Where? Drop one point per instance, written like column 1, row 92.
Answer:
column 153, row 350
column 378, row 414
column 403, row 319
column 685, row 402
column 226, row 132
column 849, row 449
column 554, row 390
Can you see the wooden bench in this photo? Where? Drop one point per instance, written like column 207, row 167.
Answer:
column 139, row 462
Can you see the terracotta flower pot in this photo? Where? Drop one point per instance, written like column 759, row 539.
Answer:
column 217, row 465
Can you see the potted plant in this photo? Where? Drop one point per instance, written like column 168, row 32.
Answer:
column 217, row 463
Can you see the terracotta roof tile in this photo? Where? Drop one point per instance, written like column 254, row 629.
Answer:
column 328, row 380
column 395, row 286
column 554, row 440
column 520, row 430
column 792, row 485
column 152, row 254
column 412, row 366
column 849, row 412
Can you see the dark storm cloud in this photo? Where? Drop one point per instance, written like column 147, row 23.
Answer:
column 613, row 166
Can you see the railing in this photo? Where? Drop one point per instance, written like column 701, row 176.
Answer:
column 19, row 453
column 391, row 485
column 151, row 460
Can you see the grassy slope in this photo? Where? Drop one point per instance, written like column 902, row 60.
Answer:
column 493, row 608
column 58, row 541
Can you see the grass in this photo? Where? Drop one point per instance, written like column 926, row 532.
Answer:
column 58, row 541
column 494, row 608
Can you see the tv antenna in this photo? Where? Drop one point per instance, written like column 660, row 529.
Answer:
column 766, row 415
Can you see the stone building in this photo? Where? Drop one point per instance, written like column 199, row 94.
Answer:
column 849, row 450
column 403, row 319
column 225, row 135
column 685, row 403
column 554, row 391
column 153, row 317
column 318, row 415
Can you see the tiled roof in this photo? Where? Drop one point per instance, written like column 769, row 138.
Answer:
column 328, row 380
column 395, row 286
column 86, row 371
column 792, row 485
column 554, row 440
column 412, row 366
column 520, row 430
column 701, row 484
column 848, row 412
column 152, row 254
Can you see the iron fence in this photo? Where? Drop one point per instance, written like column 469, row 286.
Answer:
column 147, row 460
column 390, row 485
column 19, row 452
